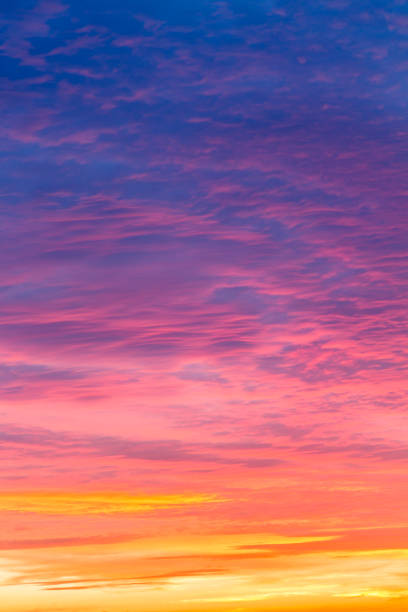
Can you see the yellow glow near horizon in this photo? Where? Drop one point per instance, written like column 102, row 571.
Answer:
column 221, row 544
column 95, row 503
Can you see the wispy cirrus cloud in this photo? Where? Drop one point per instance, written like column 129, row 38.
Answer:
column 203, row 264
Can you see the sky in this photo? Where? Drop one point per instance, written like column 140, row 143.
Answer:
column 203, row 306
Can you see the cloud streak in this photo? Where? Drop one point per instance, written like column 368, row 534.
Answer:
column 203, row 289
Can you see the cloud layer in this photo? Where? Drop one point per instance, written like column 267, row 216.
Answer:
column 203, row 296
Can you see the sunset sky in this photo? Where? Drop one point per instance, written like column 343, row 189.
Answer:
column 203, row 306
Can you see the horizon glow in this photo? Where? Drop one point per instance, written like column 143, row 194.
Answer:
column 203, row 297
